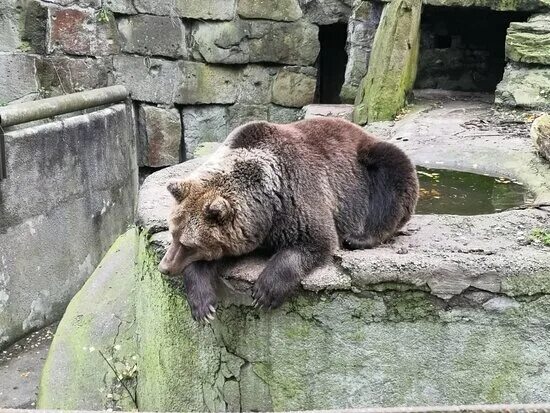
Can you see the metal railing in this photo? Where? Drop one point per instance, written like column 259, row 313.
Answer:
column 19, row 113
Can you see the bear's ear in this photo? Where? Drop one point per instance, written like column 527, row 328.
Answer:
column 178, row 189
column 219, row 209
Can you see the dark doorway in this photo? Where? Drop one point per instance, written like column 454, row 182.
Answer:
column 332, row 63
column 463, row 48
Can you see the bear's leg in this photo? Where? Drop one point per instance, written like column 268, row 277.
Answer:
column 282, row 274
column 199, row 279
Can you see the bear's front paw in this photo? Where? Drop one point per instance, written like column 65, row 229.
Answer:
column 203, row 307
column 269, row 294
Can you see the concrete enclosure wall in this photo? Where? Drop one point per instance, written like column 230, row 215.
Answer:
column 71, row 190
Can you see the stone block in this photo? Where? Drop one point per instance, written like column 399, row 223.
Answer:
column 204, row 83
column 152, row 35
column 83, row 32
column 148, row 79
column 59, row 75
column 120, row 6
column 540, row 133
column 34, row 33
column 529, row 42
column 18, row 77
column 240, row 114
column 78, row 3
column 257, row 41
column 281, row 114
column 159, row 136
column 524, row 86
column 203, row 124
column 294, row 87
column 393, row 63
column 255, row 84
column 336, row 111
column 324, row 12
column 498, row 5
column 9, row 26
column 281, row 10
column 191, row 9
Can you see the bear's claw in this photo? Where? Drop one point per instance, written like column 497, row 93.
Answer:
column 203, row 312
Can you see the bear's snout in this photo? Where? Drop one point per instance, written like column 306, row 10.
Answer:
column 175, row 260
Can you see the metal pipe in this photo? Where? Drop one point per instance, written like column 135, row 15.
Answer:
column 40, row 109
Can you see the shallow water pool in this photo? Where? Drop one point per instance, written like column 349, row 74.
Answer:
column 445, row 191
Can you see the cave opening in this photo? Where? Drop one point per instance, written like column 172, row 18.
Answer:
column 462, row 48
column 331, row 64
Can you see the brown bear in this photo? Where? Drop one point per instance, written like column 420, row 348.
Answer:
column 297, row 191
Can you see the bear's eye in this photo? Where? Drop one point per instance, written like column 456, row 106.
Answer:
column 218, row 210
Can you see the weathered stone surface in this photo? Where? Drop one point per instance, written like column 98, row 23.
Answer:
column 529, row 42
column 34, row 33
column 525, row 86
column 78, row 3
column 91, row 328
column 148, row 79
column 203, row 124
column 405, row 308
column 499, row 5
column 338, row 111
column 257, row 41
column 159, row 136
column 83, row 32
column 60, row 75
column 326, row 11
column 153, row 35
column 540, row 133
column 294, row 87
column 392, row 67
column 240, row 114
column 192, row 9
column 84, row 190
column 18, row 77
column 281, row 114
column 9, row 26
column 361, row 31
column 204, row 83
column 282, row 10
column 255, row 84
column 120, row 6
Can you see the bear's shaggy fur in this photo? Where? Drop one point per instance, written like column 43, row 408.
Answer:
column 297, row 191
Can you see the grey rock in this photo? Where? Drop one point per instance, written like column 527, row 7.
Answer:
column 110, row 330
column 204, row 83
column 529, row 42
column 59, row 75
column 282, row 10
column 203, row 124
column 501, row 304
column 281, row 114
column 255, row 84
column 192, row 9
column 324, row 12
column 120, row 6
column 148, row 79
column 361, row 30
column 35, row 28
column 18, row 77
column 540, row 133
column 9, row 26
column 153, row 35
column 524, row 86
column 499, row 5
column 338, row 111
column 294, row 87
column 159, row 136
column 84, row 192
column 78, row 3
column 240, row 114
column 256, row 41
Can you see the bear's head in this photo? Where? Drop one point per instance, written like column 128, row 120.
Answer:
column 201, row 225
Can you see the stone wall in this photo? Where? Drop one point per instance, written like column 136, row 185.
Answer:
column 71, row 190
column 195, row 68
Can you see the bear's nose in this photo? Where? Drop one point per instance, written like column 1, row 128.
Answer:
column 163, row 270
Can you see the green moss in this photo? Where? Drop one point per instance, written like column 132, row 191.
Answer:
column 409, row 306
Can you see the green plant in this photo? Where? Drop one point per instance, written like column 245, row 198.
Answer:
column 541, row 235
column 103, row 15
